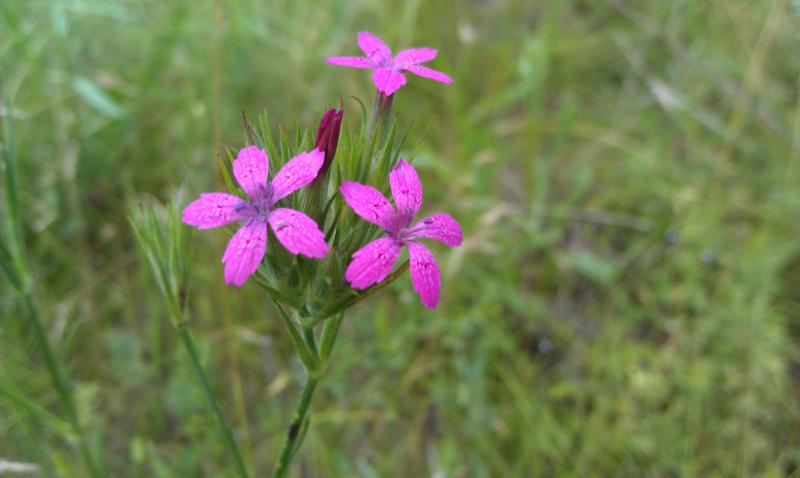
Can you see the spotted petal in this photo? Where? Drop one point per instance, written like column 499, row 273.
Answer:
column 351, row 61
column 406, row 188
column 413, row 56
column 374, row 48
column 368, row 203
column 298, row 233
column 251, row 168
column 440, row 227
column 245, row 251
column 426, row 72
column 299, row 171
column 214, row 210
column 372, row 263
column 388, row 81
column 425, row 276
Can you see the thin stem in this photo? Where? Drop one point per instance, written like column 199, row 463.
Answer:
column 62, row 387
column 227, row 436
column 308, row 357
column 311, row 341
column 294, row 436
column 381, row 108
column 330, row 331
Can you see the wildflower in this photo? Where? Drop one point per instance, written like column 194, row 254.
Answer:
column 373, row 262
column 297, row 232
column 387, row 74
column 328, row 135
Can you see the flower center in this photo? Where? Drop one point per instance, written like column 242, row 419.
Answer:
column 399, row 226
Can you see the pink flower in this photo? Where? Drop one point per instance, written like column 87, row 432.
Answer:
column 297, row 232
column 373, row 262
column 387, row 74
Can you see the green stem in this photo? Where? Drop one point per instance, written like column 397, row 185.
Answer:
column 294, row 436
column 330, row 331
column 311, row 341
column 227, row 436
column 62, row 387
column 381, row 108
column 308, row 356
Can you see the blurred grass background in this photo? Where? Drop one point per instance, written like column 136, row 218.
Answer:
column 625, row 303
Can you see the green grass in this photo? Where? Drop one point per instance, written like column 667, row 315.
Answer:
column 625, row 303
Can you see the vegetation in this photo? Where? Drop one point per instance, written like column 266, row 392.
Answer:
column 625, row 303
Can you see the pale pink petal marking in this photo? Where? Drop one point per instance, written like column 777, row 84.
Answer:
column 374, row 48
column 244, row 252
column 413, row 56
column 425, row 275
column 440, row 227
column 368, row 203
column 388, row 81
column 351, row 61
column 298, row 233
column 426, row 72
column 215, row 209
column 406, row 188
column 372, row 263
column 251, row 168
column 299, row 171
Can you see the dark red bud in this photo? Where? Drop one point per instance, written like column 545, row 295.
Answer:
column 328, row 135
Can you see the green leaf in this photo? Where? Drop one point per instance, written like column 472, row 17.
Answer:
column 96, row 97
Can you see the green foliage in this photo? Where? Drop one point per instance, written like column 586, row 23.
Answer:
column 625, row 302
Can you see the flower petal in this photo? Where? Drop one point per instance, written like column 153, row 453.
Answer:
column 298, row 233
column 388, row 81
column 251, row 168
column 406, row 188
column 299, row 171
column 425, row 276
column 413, row 56
column 374, row 48
column 214, row 210
column 426, row 72
column 351, row 61
column 372, row 263
column 368, row 203
column 244, row 252
column 440, row 227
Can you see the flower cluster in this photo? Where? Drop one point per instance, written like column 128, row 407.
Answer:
column 261, row 207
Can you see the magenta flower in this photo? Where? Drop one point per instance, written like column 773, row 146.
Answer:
column 328, row 135
column 373, row 262
column 387, row 74
column 297, row 232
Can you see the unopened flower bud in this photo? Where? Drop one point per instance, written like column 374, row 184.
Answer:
column 328, row 135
